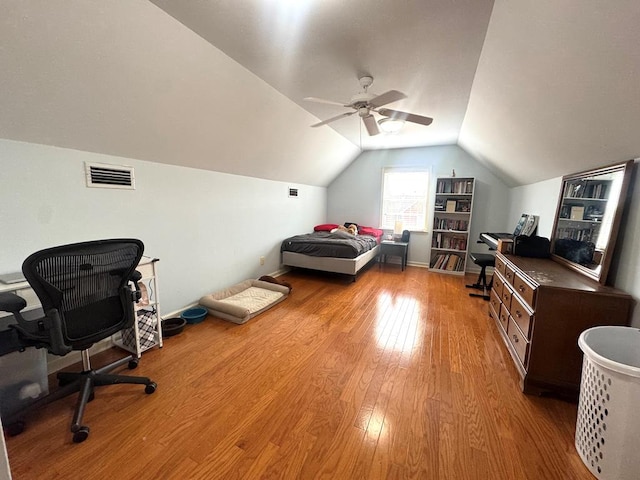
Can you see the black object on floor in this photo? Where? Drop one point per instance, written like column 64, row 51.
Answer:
column 172, row 326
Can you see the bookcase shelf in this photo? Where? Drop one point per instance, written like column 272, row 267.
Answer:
column 582, row 209
column 453, row 206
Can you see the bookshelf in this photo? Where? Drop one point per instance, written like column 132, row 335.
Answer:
column 582, row 209
column 451, row 221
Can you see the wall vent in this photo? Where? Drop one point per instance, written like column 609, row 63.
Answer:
column 103, row 175
column 293, row 192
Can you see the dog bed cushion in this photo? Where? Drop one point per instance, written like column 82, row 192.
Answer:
column 245, row 300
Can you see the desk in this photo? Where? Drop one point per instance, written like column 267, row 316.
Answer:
column 22, row 289
column 23, row 375
column 394, row 249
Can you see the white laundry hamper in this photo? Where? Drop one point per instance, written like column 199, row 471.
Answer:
column 608, row 424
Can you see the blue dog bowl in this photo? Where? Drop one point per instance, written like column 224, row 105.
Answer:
column 194, row 315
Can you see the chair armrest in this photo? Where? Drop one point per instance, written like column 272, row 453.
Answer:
column 136, row 276
column 10, row 302
column 136, row 295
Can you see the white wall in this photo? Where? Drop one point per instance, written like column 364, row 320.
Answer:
column 542, row 198
column 356, row 193
column 208, row 229
column 536, row 199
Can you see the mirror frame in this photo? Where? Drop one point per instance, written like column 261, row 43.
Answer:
column 626, row 168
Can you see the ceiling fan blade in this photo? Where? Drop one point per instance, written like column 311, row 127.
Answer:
column 409, row 117
column 322, row 100
column 337, row 117
column 387, row 97
column 370, row 123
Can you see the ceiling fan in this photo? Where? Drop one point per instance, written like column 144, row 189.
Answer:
column 363, row 103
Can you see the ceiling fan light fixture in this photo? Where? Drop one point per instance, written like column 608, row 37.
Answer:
column 390, row 125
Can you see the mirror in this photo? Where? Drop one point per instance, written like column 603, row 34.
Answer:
column 588, row 218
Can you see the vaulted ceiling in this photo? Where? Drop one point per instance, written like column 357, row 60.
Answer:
column 533, row 89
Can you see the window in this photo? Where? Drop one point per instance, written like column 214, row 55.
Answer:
column 404, row 198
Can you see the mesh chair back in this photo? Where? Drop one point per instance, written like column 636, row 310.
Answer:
column 87, row 283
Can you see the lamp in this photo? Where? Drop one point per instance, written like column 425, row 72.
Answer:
column 390, row 125
column 397, row 230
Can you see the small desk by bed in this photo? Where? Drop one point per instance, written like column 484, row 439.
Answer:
column 389, row 248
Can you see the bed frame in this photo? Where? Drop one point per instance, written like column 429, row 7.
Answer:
column 346, row 266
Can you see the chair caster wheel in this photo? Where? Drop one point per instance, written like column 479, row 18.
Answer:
column 16, row 428
column 133, row 364
column 149, row 389
column 81, row 434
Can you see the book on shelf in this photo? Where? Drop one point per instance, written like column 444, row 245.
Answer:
column 447, row 261
column 577, row 213
column 452, row 263
column 451, row 206
column 436, row 261
column 450, row 224
column 457, row 186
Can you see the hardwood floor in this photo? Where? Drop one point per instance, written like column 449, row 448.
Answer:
column 399, row 375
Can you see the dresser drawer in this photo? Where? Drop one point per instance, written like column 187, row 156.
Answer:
column 525, row 290
column 519, row 343
column 521, row 315
column 493, row 313
column 494, row 301
column 498, row 283
column 509, row 273
column 506, row 297
column 504, row 318
column 500, row 265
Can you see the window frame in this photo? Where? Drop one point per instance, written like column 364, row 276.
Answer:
column 408, row 169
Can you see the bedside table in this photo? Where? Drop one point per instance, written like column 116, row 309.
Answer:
column 394, row 249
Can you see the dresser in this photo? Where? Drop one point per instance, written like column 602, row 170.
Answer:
column 540, row 307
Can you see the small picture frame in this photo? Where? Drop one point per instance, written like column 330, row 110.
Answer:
column 451, row 206
column 577, row 213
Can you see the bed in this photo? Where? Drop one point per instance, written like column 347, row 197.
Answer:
column 328, row 250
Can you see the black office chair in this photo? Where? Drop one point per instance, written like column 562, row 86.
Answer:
column 483, row 260
column 86, row 297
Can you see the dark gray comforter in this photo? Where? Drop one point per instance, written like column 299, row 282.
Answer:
column 326, row 244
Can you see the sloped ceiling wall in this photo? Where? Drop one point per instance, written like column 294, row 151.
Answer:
column 124, row 78
column 557, row 89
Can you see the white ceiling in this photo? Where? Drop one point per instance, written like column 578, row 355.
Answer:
column 534, row 89
column 556, row 89
column 428, row 49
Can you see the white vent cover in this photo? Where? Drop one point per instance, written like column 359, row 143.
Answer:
column 104, row 175
column 293, row 192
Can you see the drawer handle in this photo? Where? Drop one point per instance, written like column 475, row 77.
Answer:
column 515, row 339
column 521, row 288
column 518, row 314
